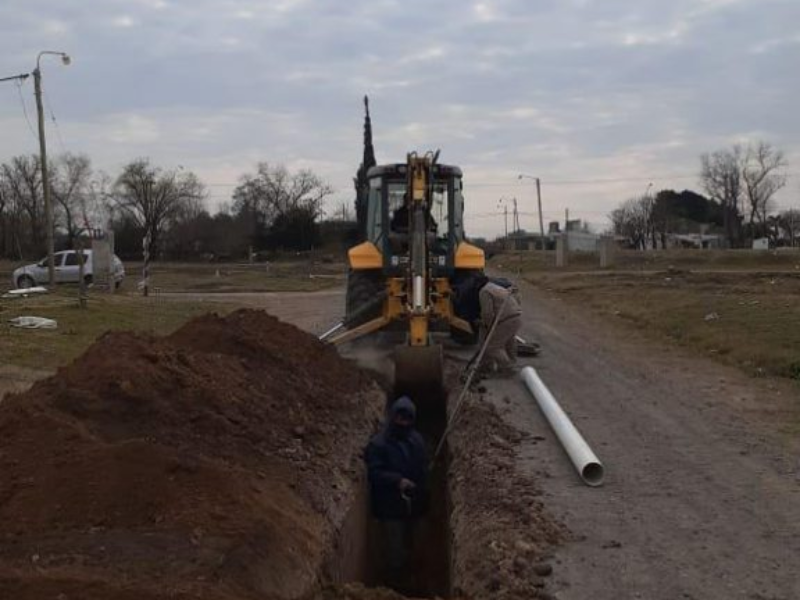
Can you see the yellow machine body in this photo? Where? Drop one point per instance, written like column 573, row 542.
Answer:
column 412, row 289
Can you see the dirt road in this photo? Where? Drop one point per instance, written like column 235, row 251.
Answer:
column 702, row 496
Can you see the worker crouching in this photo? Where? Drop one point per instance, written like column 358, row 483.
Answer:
column 397, row 465
column 499, row 303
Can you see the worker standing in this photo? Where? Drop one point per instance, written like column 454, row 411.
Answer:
column 397, row 465
column 499, row 302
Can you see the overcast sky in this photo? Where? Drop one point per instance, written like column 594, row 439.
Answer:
column 567, row 90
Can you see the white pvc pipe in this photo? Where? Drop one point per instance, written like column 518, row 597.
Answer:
column 586, row 462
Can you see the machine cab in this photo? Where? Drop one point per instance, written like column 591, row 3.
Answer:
column 387, row 216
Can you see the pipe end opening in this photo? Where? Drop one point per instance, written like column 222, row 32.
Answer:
column 593, row 474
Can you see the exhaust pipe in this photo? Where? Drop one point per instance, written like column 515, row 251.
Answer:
column 586, row 462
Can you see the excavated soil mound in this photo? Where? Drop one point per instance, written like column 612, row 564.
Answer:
column 504, row 533
column 213, row 463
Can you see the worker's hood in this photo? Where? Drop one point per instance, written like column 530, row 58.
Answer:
column 404, row 406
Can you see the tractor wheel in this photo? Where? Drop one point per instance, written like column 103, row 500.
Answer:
column 364, row 297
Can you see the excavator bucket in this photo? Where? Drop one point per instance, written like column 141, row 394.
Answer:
column 419, row 373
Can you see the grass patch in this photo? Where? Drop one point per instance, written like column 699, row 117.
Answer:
column 78, row 328
column 784, row 259
column 300, row 276
column 747, row 319
column 284, row 276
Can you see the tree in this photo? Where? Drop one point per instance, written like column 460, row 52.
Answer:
column 23, row 205
column 156, row 198
column 684, row 212
column 360, row 181
column 273, row 195
column 721, row 176
column 788, row 226
column 70, row 182
column 763, row 173
column 633, row 220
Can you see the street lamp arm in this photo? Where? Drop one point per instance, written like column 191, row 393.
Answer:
column 64, row 57
column 524, row 176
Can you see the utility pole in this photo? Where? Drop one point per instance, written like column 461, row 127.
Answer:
column 539, row 203
column 516, row 217
column 505, row 219
column 48, row 205
column 541, row 217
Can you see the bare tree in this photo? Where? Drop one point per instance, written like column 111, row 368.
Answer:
column 274, row 191
column 70, row 182
column 721, row 176
column 156, row 198
column 633, row 219
column 788, row 223
column 24, row 203
column 763, row 173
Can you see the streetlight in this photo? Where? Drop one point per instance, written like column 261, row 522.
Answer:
column 48, row 205
column 539, row 201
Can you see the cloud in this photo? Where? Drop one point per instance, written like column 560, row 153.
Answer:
column 578, row 90
column 123, row 21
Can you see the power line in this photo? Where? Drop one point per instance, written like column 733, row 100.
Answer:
column 25, row 110
column 615, row 180
column 53, row 118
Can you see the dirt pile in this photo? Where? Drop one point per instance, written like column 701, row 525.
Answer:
column 504, row 533
column 205, row 464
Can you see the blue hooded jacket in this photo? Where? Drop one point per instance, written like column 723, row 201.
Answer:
column 394, row 454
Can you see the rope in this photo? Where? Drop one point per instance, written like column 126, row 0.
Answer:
column 471, row 370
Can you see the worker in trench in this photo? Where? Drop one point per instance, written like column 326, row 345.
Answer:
column 397, row 469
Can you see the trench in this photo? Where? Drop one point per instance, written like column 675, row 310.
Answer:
column 359, row 550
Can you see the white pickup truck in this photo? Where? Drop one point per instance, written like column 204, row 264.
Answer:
column 67, row 270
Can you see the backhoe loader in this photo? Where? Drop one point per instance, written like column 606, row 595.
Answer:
column 405, row 275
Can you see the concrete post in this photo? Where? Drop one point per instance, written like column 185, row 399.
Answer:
column 606, row 248
column 562, row 251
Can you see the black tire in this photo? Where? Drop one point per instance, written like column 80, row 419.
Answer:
column 365, row 290
column 25, row 281
column 88, row 279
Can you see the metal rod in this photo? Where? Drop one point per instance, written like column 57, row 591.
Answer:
column 331, row 331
